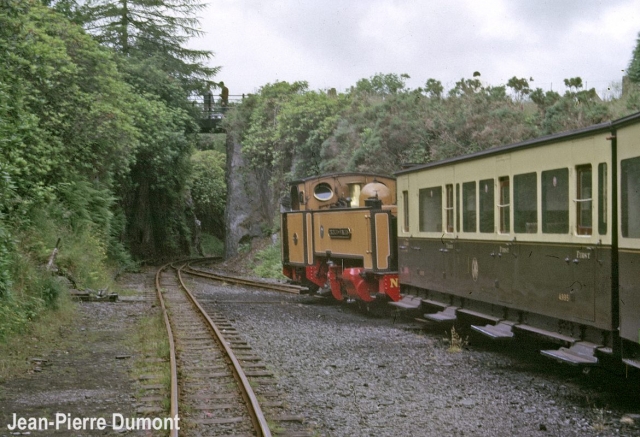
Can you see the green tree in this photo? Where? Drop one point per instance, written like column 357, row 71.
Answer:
column 63, row 116
column 67, row 133
column 208, row 190
column 519, row 86
column 434, row 89
column 304, row 123
column 382, row 84
column 574, row 83
column 260, row 144
column 466, row 86
column 633, row 71
column 158, row 29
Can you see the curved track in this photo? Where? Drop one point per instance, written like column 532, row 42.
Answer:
column 211, row 394
column 287, row 288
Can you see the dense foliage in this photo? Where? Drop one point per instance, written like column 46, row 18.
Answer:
column 634, row 66
column 208, row 190
column 289, row 132
column 95, row 154
column 380, row 124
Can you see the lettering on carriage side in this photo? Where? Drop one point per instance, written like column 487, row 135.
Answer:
column 449, row 245
column 504, row 249
column 566, row 297
column 394, row 282
column 475, row 269
column 583, row 255
column 342, row 233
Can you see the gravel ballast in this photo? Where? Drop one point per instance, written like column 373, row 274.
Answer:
column 353, row 374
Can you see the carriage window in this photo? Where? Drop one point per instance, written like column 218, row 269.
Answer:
column 469, row 207
column 405, row 210
column 430, row 204
column 458, row 209
column 555, row 201
column 503, row 205
column 486, row 205
column 602, row 199
column 583, row 201
column 630, row 197
column 525, row 200
column 449, row 208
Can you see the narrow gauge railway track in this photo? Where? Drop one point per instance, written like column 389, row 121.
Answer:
column 287, row 288
column 211, row 394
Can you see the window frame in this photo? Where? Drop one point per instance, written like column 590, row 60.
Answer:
column 563, row 196
column 449, row 208
column 521, row 184
column 466, row 220
column 584, row 231
column 405, row 210
column 504, row 214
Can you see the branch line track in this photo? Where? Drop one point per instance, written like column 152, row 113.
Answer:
column 211, row 394
column 287, row 288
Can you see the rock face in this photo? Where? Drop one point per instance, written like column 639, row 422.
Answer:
column 250, row 205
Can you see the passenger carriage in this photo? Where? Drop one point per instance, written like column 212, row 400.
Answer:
column 541, row 236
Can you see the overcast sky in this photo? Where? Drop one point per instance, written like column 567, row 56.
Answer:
column 334, row 43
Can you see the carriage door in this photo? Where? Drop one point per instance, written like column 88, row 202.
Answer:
column 448, row 242
column 583, row 259
column 505, row 251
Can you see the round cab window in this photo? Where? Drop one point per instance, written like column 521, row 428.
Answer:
column 323, row 192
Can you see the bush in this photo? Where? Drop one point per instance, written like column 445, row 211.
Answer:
column 211, row 245
column 269, row 263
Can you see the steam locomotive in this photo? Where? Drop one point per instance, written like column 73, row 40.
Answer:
column 340, row 234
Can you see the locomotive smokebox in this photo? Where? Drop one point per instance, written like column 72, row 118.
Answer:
column 377, row 192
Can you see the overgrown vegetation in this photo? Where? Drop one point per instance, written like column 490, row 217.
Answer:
column 268, row 263
column 42, row 337
column 96, row 142
column 154, row 353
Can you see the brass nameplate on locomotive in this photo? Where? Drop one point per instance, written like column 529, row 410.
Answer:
column 344, row 233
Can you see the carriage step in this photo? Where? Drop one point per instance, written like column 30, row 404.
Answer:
column 581, row 353
column 549, row 334
column 407, row 303
column 478, row 315
column 502, row 330
column 631, row 362
column 446, row 315
column 434, row 303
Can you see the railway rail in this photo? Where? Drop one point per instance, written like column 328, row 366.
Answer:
column 212, row 393
column 287, row 288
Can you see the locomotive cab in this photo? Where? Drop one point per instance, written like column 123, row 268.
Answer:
column 340, row 235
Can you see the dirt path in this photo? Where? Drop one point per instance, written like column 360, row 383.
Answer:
column 87, row 372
